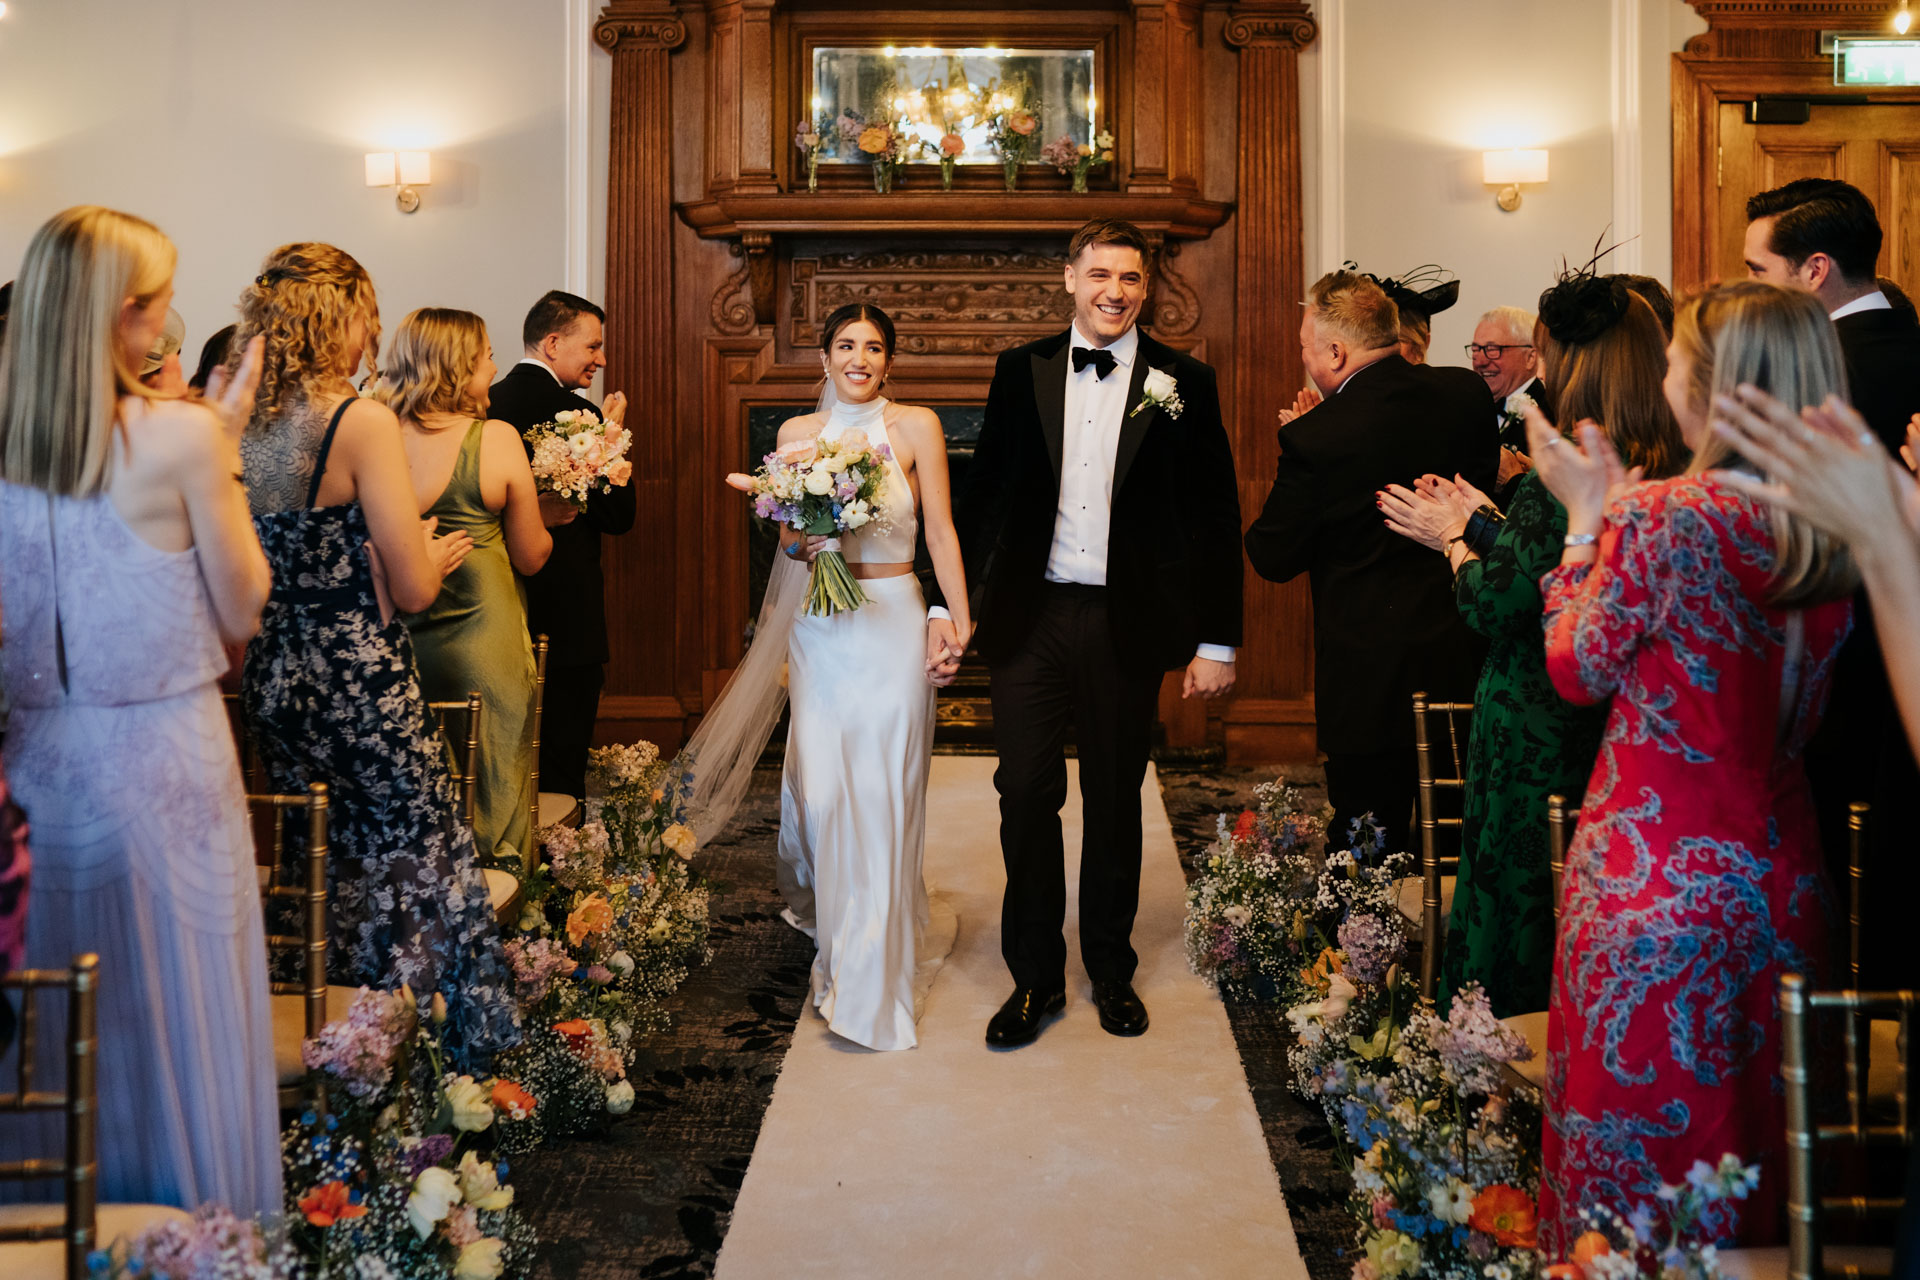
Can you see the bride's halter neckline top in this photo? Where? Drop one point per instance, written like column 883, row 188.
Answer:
column 893, row 542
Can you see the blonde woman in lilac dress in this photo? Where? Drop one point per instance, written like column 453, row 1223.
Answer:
column 127, row 560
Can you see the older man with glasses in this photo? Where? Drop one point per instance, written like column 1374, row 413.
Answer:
column 1502, row 354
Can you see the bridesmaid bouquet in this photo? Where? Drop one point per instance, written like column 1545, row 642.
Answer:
column 822, row 488
column 577, row 454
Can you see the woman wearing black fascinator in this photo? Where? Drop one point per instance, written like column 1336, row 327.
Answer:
column 1420, row 294
column 1604, row 355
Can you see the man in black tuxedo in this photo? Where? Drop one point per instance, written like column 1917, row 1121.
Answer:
column 1384, row 621
column 564, row 337
column 1102, row 532
column 1823, row 236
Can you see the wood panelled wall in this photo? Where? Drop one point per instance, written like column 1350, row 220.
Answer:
column 719, row 261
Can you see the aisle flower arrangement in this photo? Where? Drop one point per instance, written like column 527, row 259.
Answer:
column 1661, row 1239
column 612, row 924
column 396, row 1179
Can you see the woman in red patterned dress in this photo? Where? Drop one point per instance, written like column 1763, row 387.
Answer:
column 1711, row 620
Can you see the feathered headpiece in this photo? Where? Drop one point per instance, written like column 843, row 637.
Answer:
column 1427, row 290
column 1583, row 304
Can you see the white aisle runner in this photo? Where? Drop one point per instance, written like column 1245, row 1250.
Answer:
column 1082, row 1154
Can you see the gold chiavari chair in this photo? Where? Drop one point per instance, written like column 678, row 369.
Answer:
column 1561, row 821
column 300, row 1009
column 1874, row 1076
column 46, row 1241
column 1427, row 899
column 1808, row 1254
column 465, row 746
column 550, row 808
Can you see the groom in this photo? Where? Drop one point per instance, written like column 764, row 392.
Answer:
column 1104, row 527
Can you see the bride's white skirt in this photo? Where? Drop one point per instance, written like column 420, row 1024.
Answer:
column 853, row 811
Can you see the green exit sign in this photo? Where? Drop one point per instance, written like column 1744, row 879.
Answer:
column 1876, row 61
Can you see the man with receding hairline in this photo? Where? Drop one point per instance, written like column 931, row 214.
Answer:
column 564, row 341
column 1384, row 621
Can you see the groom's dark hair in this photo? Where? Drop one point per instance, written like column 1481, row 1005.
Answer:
column 1112, row 231
column 555, row 313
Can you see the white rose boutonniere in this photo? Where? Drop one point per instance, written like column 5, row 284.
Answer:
column 1160, row 391
column 1514, row 415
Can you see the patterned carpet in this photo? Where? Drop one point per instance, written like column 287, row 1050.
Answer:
column 653, row 1198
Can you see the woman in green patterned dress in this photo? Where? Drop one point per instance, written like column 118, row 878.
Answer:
column 1605, row 357
column 473, row 475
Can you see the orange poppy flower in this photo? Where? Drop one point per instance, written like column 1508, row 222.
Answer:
column 1505, row 1213
column 1590, row 1245
column 329, row 1203
column 1243, row 829
column 512, row 1099
column 593, row 915
column 874, row 140
column 1319, row 975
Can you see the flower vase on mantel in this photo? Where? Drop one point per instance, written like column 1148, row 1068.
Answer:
column 813, row 169
column 946, row 173
column 1080, row 179
column 1013, row 175
column 883, row 176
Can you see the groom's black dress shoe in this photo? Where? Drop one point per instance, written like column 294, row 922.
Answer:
column 1018, row 1021
column 1121, row 1012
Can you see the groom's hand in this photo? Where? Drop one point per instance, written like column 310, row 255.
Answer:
column 944, row 651
column 1207, row 679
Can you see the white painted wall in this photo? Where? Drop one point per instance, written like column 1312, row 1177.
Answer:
column 1400, row 97
column 238, row 125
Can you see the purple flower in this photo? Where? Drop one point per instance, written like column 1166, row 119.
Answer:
column 426, row 1153
column 359, row 1049
column 1371, row 946
column 599, row 974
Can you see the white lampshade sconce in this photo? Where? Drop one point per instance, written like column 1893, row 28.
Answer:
column 406, row 169
column 1509, row 170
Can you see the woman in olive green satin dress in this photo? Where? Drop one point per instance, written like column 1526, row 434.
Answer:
column 472, row 474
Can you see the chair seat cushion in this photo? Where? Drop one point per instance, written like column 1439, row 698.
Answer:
column 1771, row 1264
column 1534, row 1027
column 1409, row 893
column 503, row 887
column 556, row 808
column 47, row 1259
column 290, row 1029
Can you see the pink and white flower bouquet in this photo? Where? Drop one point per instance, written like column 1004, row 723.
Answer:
column 823, row 488
column 577, row 454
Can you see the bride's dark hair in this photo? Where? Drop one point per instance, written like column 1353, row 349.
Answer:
column 853, row 311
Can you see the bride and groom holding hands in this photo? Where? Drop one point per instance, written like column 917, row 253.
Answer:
column 1101, row 534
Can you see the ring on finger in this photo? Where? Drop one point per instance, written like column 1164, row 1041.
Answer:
column 1865, row 439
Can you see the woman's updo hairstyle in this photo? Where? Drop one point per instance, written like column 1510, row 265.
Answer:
column 1581, row 306
column 304, row 302
column 851, row 313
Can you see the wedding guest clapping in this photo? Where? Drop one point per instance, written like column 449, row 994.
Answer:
column 1711, row 620
column 126, row 559
column 1604, row 351
column 472, row 475
column 1384, row 623
column 329, row 687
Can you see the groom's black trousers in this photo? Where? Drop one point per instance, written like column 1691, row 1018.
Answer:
column 1065, row 677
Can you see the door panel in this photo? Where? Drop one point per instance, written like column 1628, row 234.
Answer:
column 1875, row 146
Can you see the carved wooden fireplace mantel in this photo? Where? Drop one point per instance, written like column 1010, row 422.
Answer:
column 721, row 263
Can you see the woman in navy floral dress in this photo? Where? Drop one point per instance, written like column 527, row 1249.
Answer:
column 1696, row 878
column 329, row 687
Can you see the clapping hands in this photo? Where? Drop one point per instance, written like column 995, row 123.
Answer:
column 1431, row 513
column 1585, row 475
column 1302, row 402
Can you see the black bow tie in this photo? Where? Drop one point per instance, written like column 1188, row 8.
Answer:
column 1101, row 359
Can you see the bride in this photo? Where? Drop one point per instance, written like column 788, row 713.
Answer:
column 853, row 794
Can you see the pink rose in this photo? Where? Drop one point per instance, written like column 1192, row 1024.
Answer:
column 800, row 453
column 1023, row 122
column 740, row 481
column 853, row 442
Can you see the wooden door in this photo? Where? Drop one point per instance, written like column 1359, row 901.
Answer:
column 1875, row 146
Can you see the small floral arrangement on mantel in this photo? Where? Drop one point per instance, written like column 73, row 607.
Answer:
column 952, row 147
column 1013, row 119
column 1076, row 159
column 810, row 137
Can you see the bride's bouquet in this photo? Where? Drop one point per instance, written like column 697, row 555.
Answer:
column 822, row 488
column 577, row 454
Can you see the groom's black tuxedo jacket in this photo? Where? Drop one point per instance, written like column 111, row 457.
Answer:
column 566, row 599
column 1173, row 550
column 1384, row 620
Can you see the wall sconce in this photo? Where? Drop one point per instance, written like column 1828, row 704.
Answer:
column 1508, row 170
column 409, row 169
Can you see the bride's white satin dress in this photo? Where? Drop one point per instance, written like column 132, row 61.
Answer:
column 853, row 804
